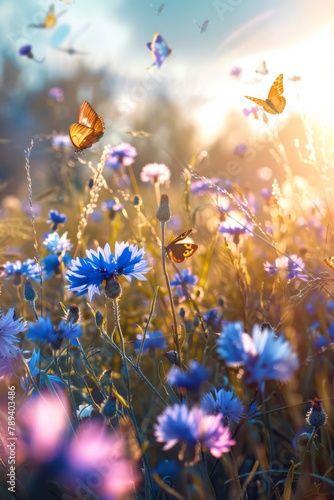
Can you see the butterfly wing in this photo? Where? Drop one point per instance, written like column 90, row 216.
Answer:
column 262, row 69
column 82, row 137
column 275, row 103
column 88, row 117
column 50, row 20
column 178, row 252
column 159, row 49
column 204, row 26
column 88, row 130
column 275, row 95
column 329, row 261
column 260, row 102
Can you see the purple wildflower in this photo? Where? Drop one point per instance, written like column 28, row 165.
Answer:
column 120, row 156
column 291, row 267
column 155, row 173
column 201, row 187
column 240, row 149
column 61, row 141
column 253, row 110
column 56, row 93
column 179, row 424
column 236, row 71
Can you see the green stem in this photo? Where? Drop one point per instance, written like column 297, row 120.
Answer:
column 132, row 364
column 148, row 473
column 133, row 179
column 126, row 372
column 174, row 327
column 90, row 368
column 157, row 191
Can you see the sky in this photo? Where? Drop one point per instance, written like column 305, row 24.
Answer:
column 293, row 37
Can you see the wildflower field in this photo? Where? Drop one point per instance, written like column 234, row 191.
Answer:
column 166, row 276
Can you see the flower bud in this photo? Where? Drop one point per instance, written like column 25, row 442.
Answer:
column 172, row 357
column 108, row 409
column 98, row 319
column 73, row 314
column 113, row 288
column 163, row 212
column 316, row 416
column 30, row 294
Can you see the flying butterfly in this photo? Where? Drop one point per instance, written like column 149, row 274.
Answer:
column 178, row 252
column 275, row 102
column 89, row 128
column 202, row 28
column 262, row 69
column 50, row 20
column 159, row 50
column 159, row 9
column 329, row 261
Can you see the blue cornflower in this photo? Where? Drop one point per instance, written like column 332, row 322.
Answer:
column 316, row 301
column 178, row 423
column 57, row 244
column 9, row 364
column 9, row 328
column 320, row 340
column 223, row 402
column 183, row 280
column 121, row 155
column 51, row 264
column 213, row 319
column 44, row 331
column 17, row 269
column 263, row 356
column 291, row 267
column 86, row 275
column 192, row 379
column 25, row 50
column 33, row 361
column 153, row 340
column 56, row 218
column 32, row 364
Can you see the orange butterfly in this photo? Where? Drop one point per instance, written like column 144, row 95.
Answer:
column 329, row 261
column 88, row 130
column 275, row 103
column 177, row 252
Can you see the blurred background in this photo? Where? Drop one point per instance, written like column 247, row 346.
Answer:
column 194, row 103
